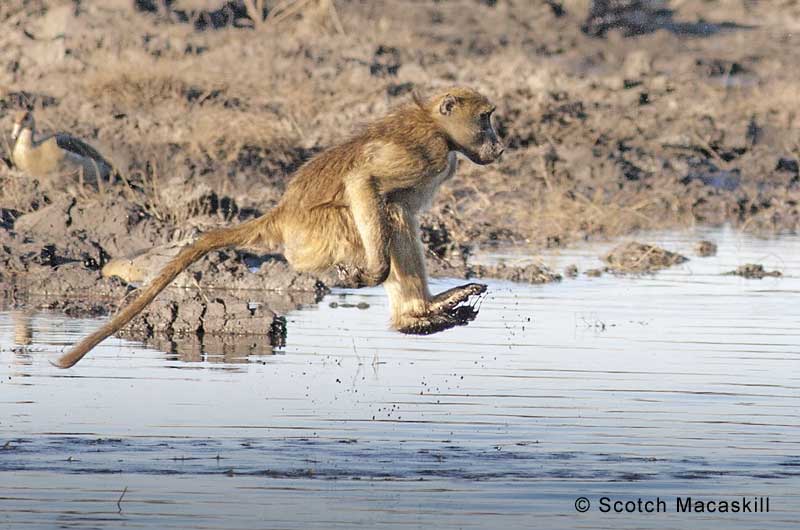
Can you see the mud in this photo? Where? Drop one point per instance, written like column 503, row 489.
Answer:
column 114, row 225
column 635, row 257
column 571, row 271
column 528, row 274
column 223, row 296
column 753, row 271
column 200, row 313
column 212, row 347
column 618, row 117
column 705, row 249
column 593, row 273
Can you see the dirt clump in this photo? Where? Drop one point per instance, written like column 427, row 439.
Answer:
column 705, row 249
column 30, row 267
column 753, row 271
column 528, row 273
column 637, row 258
column 189, row 311
column 571, row 271
column 116, row 225
column 439, row 241
column 531, row 273
column 226, row 293
column 254, row 289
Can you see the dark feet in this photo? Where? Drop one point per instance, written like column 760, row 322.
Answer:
column 449, row 299
column 445, row 311
column 435, row 323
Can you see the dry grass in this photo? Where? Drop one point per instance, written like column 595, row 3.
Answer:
column 137, row 87
column 222, row 133
column 319, row 12
column 564, row 212
column 207, row 119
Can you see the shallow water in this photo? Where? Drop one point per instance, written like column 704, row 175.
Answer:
column 675, row 384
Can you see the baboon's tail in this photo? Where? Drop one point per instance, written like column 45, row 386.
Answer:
column 253, row 232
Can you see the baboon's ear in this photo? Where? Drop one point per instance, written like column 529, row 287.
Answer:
column 447, row 105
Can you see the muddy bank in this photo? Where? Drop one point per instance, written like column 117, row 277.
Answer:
column 55, row 256
column 221, row 294
column 617, row 117
column 185, row 314
column 51, row 259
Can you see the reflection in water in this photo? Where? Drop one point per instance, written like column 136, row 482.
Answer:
column 22, row 339
column 230, row 349
column 678, row 383
column 23, row 330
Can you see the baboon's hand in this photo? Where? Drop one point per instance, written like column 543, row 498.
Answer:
column 356, row 277
column 375, row 276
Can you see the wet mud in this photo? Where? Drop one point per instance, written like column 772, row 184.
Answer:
column 635, row 257
column 753, row 271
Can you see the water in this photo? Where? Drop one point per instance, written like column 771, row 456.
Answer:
column 683, row 383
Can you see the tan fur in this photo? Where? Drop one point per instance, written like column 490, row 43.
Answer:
column 355, row 206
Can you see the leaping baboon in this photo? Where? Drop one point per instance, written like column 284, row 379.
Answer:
column 355, row 206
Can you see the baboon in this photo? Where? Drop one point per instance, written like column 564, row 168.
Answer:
column 355, row 206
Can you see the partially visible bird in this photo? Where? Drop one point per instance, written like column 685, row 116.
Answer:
column 58, row 154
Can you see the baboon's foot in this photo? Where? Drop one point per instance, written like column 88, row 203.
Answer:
column 435, row 322
column 449, row 299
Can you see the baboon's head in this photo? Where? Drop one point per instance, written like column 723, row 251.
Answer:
column 466, row 117
column 23, row 119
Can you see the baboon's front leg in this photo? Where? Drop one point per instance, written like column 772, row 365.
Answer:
column 369, row 213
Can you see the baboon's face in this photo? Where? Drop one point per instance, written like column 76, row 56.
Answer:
column 467, row 118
